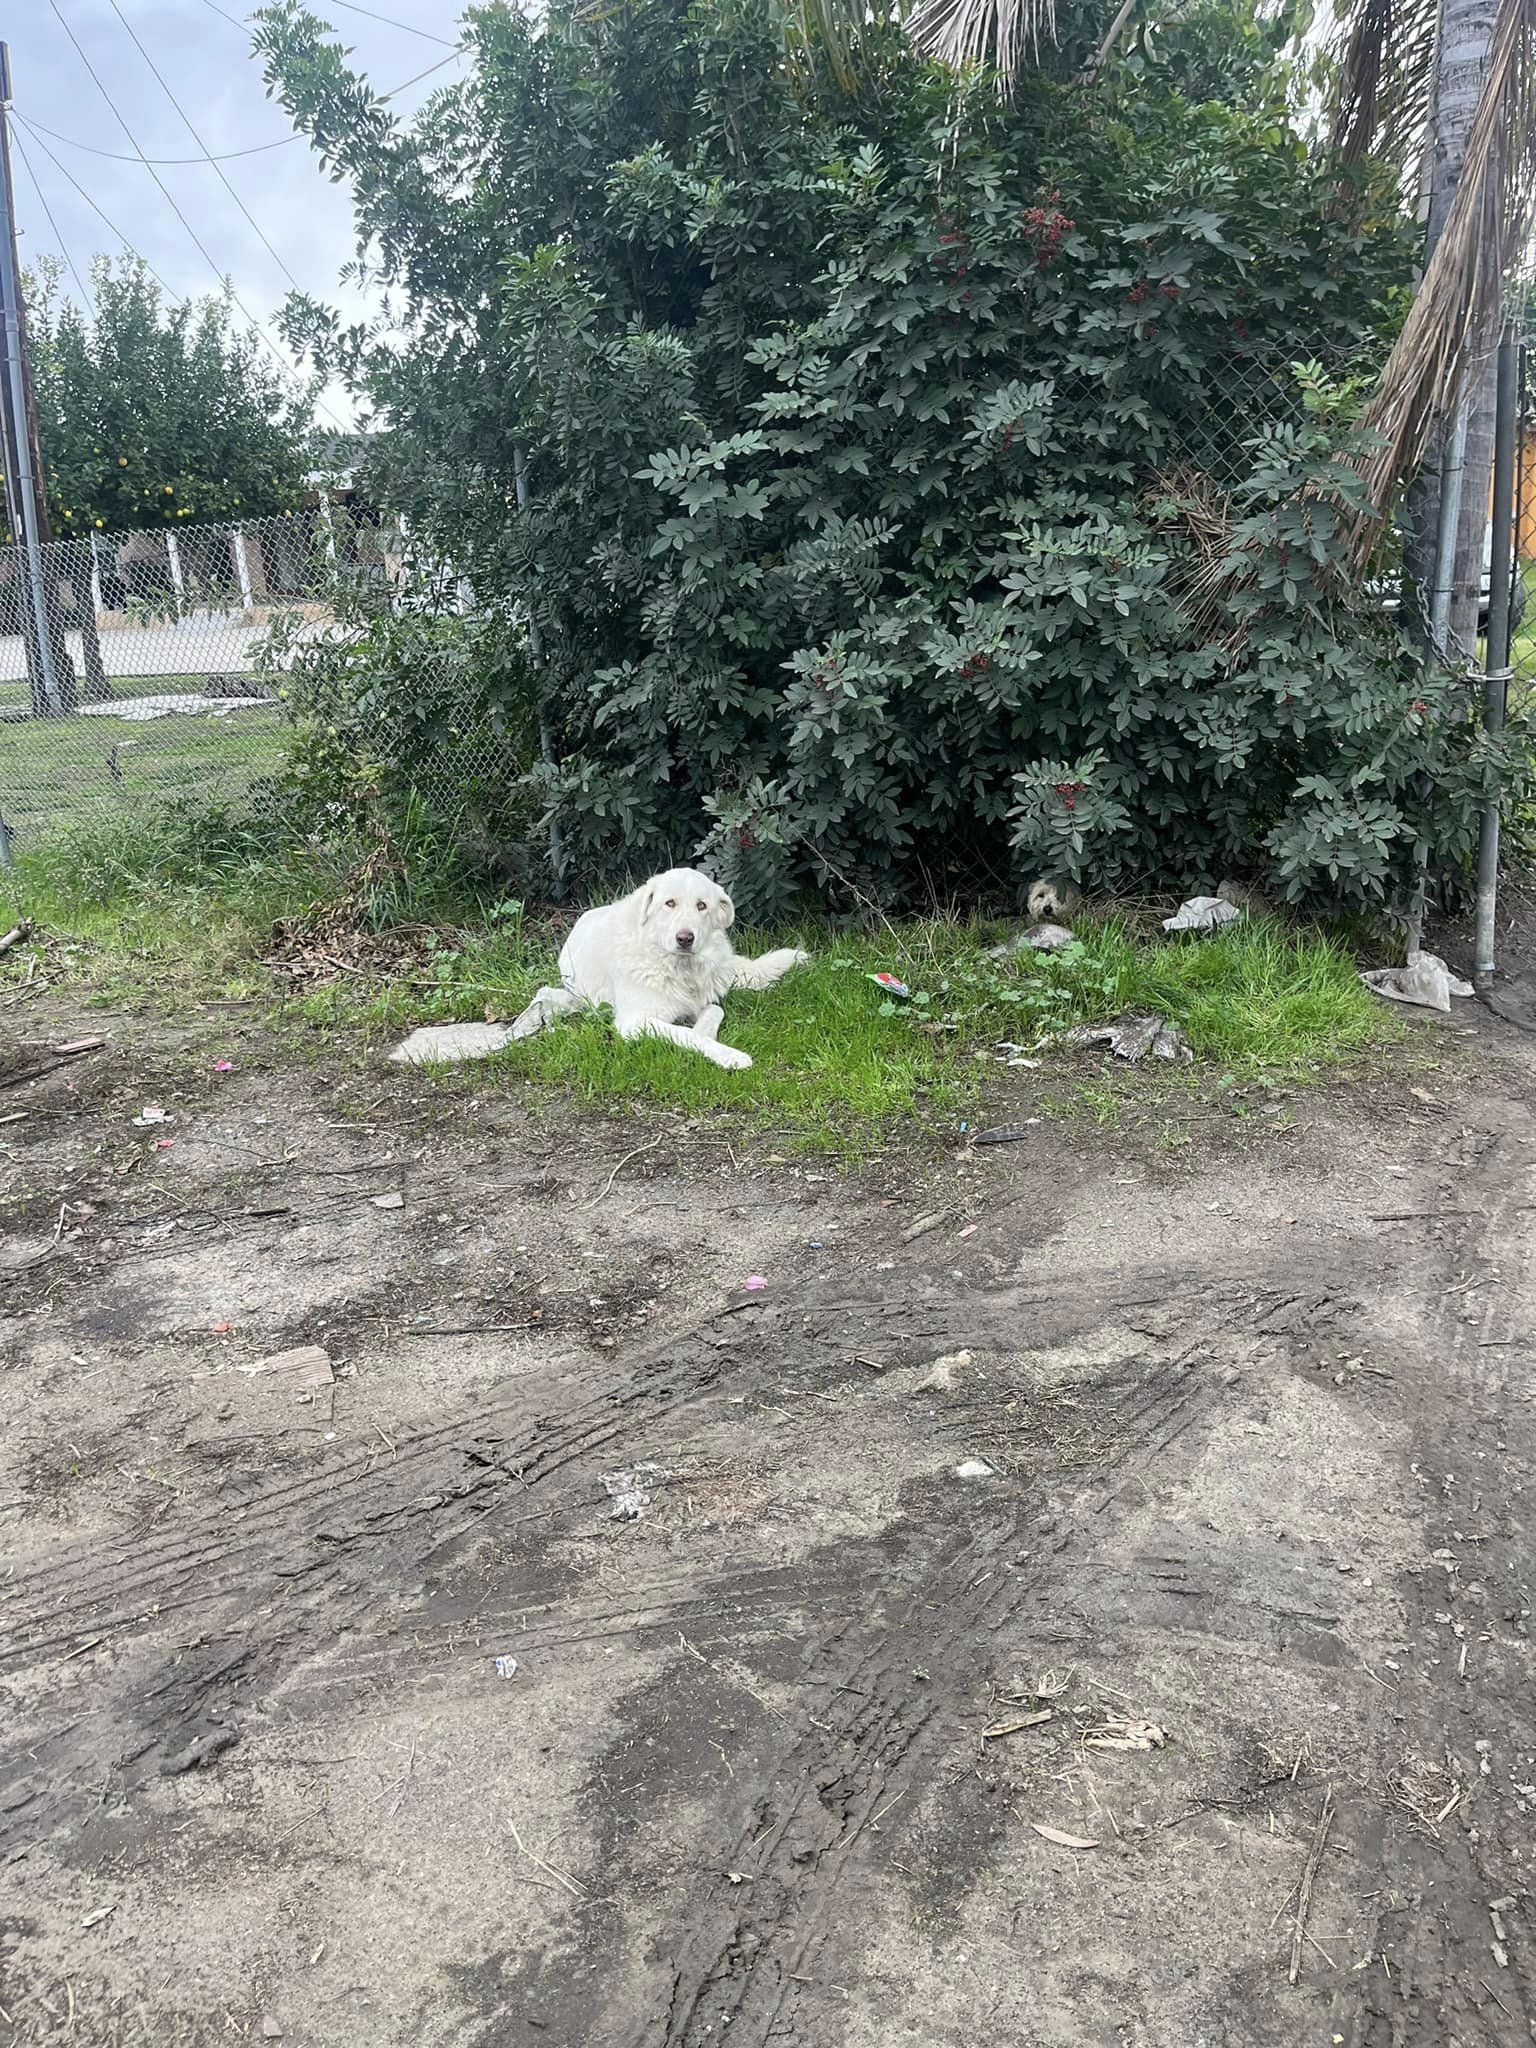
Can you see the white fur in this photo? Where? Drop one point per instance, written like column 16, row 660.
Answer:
column 635, row 955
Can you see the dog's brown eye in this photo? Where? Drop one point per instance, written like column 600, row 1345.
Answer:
column 698, row 906
column 671, row 903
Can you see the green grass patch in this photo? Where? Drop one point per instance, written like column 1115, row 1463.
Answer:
column 836, row 1055
column 839, row 1061
column 58, row 771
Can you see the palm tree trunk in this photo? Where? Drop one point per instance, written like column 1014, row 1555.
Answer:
column 1464, row 47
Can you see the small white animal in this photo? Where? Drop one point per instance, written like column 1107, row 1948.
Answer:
column 1053, row 897
column 662, row 959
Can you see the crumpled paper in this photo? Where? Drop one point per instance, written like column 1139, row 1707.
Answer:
column 1201, row 914
column 1040, row 938
column 631, row 1491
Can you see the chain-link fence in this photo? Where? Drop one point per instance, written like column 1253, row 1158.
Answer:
column 142, row 671
column 143, row 668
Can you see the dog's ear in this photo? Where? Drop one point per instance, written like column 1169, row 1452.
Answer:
column 727, row 911
column 647, row 900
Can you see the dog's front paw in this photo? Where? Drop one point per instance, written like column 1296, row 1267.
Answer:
column 730, row 1056
column 798, row 957
column 532, row 1021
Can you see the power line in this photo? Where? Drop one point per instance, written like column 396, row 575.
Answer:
column 416, row 78
column 352, row 7
column 411, row 30
column 228, row 156
column 42, row 196
column 115, row 156
column 174, row 298
column 165, row 192
column 218, row 168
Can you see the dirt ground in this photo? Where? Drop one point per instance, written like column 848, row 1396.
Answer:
column 588, row 1648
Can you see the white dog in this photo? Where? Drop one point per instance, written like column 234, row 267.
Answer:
column 661, row 958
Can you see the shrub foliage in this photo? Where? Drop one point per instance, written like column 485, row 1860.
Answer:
column 907, row 488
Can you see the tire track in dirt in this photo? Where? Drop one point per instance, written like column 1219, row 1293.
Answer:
column 285, row 1585
column 810, row 1817
column 368, row 1489
column 1435, row 1987
column 272, row 1530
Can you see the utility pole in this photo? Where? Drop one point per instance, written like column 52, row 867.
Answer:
column 51, row 671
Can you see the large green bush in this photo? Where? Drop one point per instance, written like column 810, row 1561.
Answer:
column 918, row 486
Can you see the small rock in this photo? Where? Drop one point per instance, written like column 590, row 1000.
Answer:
column 940, row 1376
column 974, row 1468
column 441, row 1045
column 393, row 1200
column 307, row 1367
column 270, row 2030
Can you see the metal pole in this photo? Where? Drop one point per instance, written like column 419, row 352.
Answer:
column 536, row 649
column 1452, row 473
column 16, row 393
column 1452, row 478
column 1496, row 649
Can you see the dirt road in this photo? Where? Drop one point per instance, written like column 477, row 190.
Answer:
column 589, row 1649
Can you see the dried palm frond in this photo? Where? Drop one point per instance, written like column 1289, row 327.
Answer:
column 1101, row 56
column 1003, row 33
column 1189, row 504
column 1490, row 220
column 1385, row 74
column 831, row 27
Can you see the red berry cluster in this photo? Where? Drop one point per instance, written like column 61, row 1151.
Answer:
column 975, row 665
column 745, row 840
column 953, row 250
column 1044, row 226
column 1069, row 792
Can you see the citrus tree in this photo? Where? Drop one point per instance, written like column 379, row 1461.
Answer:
column 151, row 414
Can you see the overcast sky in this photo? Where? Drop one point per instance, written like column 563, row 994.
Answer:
column 202, row 50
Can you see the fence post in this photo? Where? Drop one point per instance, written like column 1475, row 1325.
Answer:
column 96, row 602
column 178, row 583
column 536, row 649
column 243, row 570
column 1501, row 569
column 324, row 509
column 86, row 603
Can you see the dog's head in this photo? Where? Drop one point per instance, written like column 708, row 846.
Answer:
column 682, row 908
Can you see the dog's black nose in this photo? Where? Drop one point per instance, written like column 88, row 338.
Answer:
column 684, row 941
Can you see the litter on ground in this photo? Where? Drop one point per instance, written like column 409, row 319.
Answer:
column 1132, row 1038
column 1039, row 938
column 1425, row 981
column 1201, row 914
column 631, row 1491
